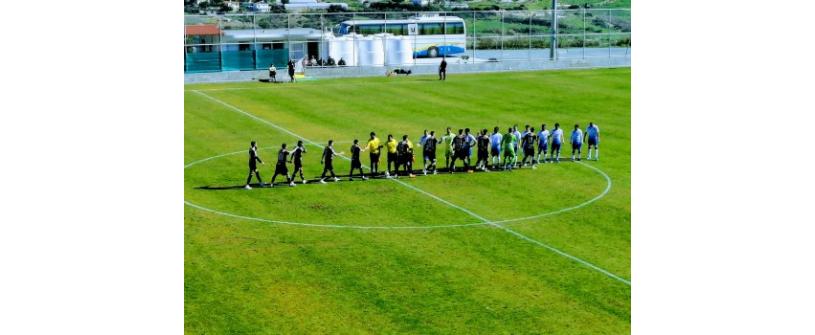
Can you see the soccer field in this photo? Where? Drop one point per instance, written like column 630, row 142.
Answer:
column 527, row 251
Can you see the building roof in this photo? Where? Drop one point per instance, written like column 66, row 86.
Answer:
column 248, row 35
column 202, row 29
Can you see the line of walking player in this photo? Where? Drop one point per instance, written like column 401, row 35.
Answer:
column 498, row 151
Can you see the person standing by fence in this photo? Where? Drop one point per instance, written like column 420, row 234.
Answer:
column 291, row 71
column 443, row 68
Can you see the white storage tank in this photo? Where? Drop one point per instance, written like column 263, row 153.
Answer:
column 342, row 48
column 399, row 50
column 371, row 51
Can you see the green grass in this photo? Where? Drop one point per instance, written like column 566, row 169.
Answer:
column 251, row 277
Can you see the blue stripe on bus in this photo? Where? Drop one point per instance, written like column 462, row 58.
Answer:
column 444, row 50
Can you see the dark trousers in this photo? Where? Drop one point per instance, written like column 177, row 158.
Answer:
column 257, row 174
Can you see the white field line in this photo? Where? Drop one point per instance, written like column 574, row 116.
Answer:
column 469, row 212
column 605, row 191
column 320, row 225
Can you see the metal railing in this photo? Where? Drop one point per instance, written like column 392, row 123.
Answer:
column 253, row 41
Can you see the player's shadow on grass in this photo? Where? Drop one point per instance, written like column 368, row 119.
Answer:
column 219, row 188
column 316, row 180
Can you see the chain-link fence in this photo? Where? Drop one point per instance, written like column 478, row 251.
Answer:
column 400, row 39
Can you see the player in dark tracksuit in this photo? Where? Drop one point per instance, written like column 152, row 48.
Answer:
column 529, row 147
column 355, row 162
column 291, row 70
column 280, row 168
column 297, row 158
column 328, row 160
column 460, row 148
column 429, row 152
column 443, row 68
column 253, row 168
column 404, row 154
column 483, row 150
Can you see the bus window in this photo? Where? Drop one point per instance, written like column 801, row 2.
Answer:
column 344, row 29
column 430, row 29
column 244, row 47
column 369, row 29
column 397, row 29
column 454, row 28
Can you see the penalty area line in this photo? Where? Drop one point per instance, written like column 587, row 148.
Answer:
column 435, row 197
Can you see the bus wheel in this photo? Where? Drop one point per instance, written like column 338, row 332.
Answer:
column 432, row 52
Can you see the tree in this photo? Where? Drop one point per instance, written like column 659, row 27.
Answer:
column 336, row 9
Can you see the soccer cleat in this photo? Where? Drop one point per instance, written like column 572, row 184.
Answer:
column 435, row 172
column 247, row 187
column 292, row 184
column 304, row 181
column 261, row 185
column 364, row 178
column 322, row 181
column 336, row 179
column 424, row 172
column 534, row 167
column 351, row 179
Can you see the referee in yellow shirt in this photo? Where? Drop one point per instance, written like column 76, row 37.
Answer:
column 374, row 145
column 391, row 144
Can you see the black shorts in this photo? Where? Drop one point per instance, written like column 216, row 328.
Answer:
column 329, row 165
column 253, row 167
column 577, row 145
column 281, row 169
column 430, row 156
column 555, row 146
column 392, row 157
column 298, row 165
column 542, row 147
column 482, row 154
column 461, row 153
column 374, row 157
column 529, row 151
column 594, row 141
column 356, row 164
column 272, row 73
column 494, row 151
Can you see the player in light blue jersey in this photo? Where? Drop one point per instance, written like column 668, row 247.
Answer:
column 577, row 141
column 593, row 138
column 543, row 143
column 471, row 142
column 557, row 141
column 495, row 147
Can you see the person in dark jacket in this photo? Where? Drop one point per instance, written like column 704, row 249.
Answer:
column 253, row 167
column 443, row 68
column 291, row 70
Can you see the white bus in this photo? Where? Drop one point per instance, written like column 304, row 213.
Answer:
column 433, row 36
